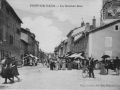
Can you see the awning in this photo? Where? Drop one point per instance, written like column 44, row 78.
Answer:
column 31, row 55
column 75, row 55
column 77, row 37
column 35, row 57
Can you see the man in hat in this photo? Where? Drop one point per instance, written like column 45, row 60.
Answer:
column 91, row 68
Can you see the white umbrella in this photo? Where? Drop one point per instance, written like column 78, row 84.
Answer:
column 73, row 55
column 77, row 56
column 3, row 61
column 35, row 57
column 31, row 55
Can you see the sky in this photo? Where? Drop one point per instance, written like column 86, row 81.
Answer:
column 51, row 20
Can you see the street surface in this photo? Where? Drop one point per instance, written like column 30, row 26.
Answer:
column 40, row 78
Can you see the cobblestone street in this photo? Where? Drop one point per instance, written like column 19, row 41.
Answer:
column 42, row 78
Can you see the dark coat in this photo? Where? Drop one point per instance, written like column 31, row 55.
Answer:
column 6, row 69
column 116, row 63
column 91, row 64
column 14, row 68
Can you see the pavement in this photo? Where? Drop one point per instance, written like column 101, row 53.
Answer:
column 41, row 78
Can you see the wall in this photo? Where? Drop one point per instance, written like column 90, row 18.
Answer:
column 97, row 45
column 9, row 27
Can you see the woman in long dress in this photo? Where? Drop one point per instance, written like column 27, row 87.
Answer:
column 102, row 68
column 85, row 69
column 7, row 71
column 15, row 69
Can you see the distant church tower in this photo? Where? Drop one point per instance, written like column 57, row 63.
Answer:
column 110, row 11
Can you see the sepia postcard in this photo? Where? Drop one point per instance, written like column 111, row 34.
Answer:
column 59, row 44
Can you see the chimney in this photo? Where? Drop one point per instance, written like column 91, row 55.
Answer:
column 94, row 22
column 82, row 23
column 87, row 26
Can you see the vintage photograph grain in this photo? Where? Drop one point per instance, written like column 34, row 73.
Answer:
column 59, row 44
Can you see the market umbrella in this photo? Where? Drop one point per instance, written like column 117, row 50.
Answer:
column 105, row 56
column 76, row 56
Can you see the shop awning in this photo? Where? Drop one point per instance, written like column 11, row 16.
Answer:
column 75, row 55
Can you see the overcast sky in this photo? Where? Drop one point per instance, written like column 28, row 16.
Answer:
column 51, row 24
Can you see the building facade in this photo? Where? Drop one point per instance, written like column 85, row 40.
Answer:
column 62, row 49
column 10, row 25
column 29, row 45
column 97, row 41
column 24, row 41
column 104, row 40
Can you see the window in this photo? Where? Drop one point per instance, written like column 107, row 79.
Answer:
column 108, row 41
column 18, row 31
column 11, row 39
column 116, row 28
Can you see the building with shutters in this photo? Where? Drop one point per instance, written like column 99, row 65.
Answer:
column 29, row 45
column 104, row 40
column 96, row 41
column 10, row 25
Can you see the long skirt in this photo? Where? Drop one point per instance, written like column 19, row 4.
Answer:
column 102, row 70
column 15, row 71
column 7, row 73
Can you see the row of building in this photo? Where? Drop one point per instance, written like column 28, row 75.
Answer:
column 14, row 40
column 95, row 41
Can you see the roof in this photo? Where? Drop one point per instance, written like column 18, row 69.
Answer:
column 25, row 30
column 72, row 31
column 28, row 31
column 13, row 12
column 78, row 30
column 105, row 26
column 66, row 41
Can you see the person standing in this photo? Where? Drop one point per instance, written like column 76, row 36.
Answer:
column 91, row 68
column 102, row 67
column 6, row 70
column 117, row 65
column 15, row 69
column 51, row 65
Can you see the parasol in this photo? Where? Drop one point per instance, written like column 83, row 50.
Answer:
column 76, row 56
column 105, row 56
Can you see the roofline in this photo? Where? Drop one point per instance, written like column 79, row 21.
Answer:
column 22, row 29
column 13, row 11
column 104, row 26
column 73, row 30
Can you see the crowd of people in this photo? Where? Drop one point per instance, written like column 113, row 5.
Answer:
column 9, row 69
column 30, row 60
column 113, row 64
column 87, row 65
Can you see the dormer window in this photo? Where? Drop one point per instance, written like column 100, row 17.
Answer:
column 116, row 28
